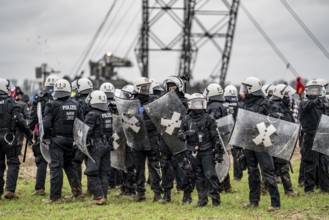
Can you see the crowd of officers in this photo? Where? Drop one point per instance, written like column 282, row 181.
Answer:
column 62, row 102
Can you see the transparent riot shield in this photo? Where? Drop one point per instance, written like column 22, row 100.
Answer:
column 166, row 114
column 321, row 139
column 225, row 127
column 80, row 132
column 118, row 154
column 44, row 148
column 260, row 133
column 133, row 123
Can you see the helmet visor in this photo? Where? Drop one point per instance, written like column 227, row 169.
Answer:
column 145, row 89
column 198, row 104
column 314, row 90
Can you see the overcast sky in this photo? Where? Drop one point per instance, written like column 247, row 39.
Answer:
column 56, row 32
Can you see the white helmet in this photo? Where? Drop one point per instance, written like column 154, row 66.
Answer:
column 283, row 90
column 142, row 85
column 268, row 89
column 324, row 83
column 155, row 86
column 214, row 90
column 84, row 86
column 4, row 86
column 174, row 80
column 314, row 88
column 50, row 80
column 127, row 92
column 108, row 88
column 231, row 93
column 197, row 101
column 98, row 99
column 62, row 88
column 251, row 85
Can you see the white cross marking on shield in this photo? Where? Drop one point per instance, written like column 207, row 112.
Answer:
column 130, row 123
column 264, row 134
column 172, row 123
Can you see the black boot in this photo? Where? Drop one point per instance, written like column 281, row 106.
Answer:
column 157, row 197
column 187, row 199
column 140, row 196
column 166, row 197
column 203, row 202
column 203, row 199
column 215, row 202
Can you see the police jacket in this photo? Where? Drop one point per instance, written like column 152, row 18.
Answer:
column 10, row 116
column 201, row 130
column 100, row 123
column 59, row 117
column 310, row 113
column 216, row 109
column 281, row 110
column 258, row 104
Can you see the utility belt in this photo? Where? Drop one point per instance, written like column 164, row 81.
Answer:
column 197, row 149
column 103, row 140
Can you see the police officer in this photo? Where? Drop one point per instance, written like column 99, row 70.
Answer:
column 253, row 100
column 58, row 125
column 175, row 165
column 109, row 90
column 231, row 97
column 40, row 162
column 142, row 89
column 281, row 105
column 10, row 120
column 268, row 90
column 156, row 88
column 115, row 175
column 24, row 109
column 99, row 119
column 199, row 130
column 217, row 108
column 83, row 88
column 129, row 177
column 310, row 115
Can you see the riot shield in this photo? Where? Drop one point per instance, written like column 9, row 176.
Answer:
column 225, row 127
column 80, row 132
column 44, row 148
column 223, row 168
column 118, row 154
column 133, row 123
column 260, row 133
column 166, row 113
column 321, row 138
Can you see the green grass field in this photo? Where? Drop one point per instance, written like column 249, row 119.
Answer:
column 314, row 206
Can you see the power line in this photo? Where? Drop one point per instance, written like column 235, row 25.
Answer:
column 269, row 40
column 94, row 38
column 98, row 48
column 126, row 32
column 306, row 29
column 117, row 25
